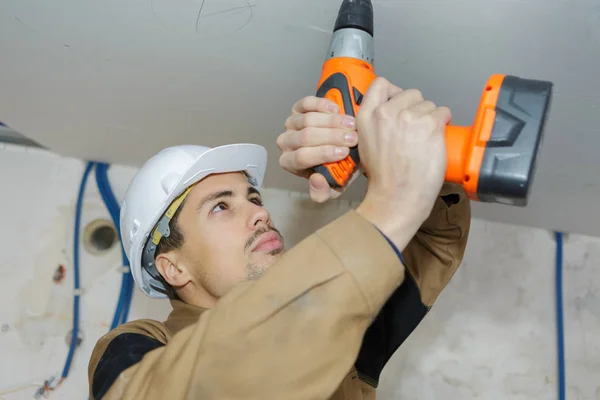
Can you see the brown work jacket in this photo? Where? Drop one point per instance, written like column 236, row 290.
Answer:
column 321, row 323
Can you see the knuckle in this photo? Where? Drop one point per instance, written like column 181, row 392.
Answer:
column 283, row 160
column 321, row 102
column 382, row 112
column 309, row 119
column 313, row 103
column 289, row 122
column 301, row 157
column 305, row 101
column 415, row 94
column 406, row 116
column 429, row 122
column 305, row 136
column 280, row 141
column 381, row 81
column 447, row 111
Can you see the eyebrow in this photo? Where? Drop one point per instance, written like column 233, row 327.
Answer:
column 253, row 190
column 223, row 194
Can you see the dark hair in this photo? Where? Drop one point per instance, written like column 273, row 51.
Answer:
column 172, row 242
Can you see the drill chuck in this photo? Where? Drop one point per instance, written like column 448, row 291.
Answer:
column 355, row 14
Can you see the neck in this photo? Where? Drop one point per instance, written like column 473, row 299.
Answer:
column 196, row 296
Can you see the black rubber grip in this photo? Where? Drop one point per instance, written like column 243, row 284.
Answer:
column 511, row 155
column 338, row 81
column 323, row 170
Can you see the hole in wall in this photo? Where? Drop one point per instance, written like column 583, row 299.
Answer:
column 99, row 236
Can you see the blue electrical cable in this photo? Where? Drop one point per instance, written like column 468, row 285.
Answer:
column 124, row 302
column 559, row 316
column 75, row 331
column 101, row 179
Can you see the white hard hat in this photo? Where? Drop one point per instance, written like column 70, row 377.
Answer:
column 149, row 200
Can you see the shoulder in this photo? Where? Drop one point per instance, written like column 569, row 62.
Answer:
column 141, row 330
column 122, row 348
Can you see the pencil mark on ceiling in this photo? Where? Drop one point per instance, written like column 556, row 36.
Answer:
column 19, row 20
column 316, row 28
column 156, row 14
column 199, row 14
column 46, row 37
column 248, row 7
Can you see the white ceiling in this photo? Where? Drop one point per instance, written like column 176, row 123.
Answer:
column 118, row 80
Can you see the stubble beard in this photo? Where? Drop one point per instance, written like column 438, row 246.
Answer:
column 255, row 271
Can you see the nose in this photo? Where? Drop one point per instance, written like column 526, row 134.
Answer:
column 257, row 216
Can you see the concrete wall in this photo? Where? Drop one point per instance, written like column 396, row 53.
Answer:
column 491, row 335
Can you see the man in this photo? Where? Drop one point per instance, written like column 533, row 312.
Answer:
column 318, row 321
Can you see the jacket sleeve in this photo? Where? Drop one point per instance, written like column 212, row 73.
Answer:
column 293, row 334
column 431, row 259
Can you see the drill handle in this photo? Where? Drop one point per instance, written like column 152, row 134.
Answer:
column 344, row 81
column 337, row 89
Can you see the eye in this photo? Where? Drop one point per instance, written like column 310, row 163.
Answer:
column 219, row 207
column 257, row 201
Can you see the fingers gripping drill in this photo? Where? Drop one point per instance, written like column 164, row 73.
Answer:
column 494, row 159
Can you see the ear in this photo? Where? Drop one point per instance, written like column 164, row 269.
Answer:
column 169, row 267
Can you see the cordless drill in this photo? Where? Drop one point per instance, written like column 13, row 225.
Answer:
column 494, row 159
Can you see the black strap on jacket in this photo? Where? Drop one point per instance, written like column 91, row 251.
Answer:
column 124, row 351
column 398, row 318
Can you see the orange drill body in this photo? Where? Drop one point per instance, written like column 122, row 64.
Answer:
column 359, row 75
column 494, row 159
column 465, row 146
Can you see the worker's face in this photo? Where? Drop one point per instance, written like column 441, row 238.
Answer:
column 228, row 234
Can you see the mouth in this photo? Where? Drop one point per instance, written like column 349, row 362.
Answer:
column 268, row 242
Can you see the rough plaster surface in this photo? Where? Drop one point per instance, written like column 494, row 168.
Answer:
column 491, row 334
column 87, row 79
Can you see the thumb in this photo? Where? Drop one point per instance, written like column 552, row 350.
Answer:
column 319, row 188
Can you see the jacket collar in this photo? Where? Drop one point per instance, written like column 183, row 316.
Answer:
column 182, row 316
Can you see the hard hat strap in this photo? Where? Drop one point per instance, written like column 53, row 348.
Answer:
column 161, row 229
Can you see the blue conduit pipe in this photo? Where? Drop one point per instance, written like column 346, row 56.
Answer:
column 75, row 330
column 559, row 316
column 124, row 302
